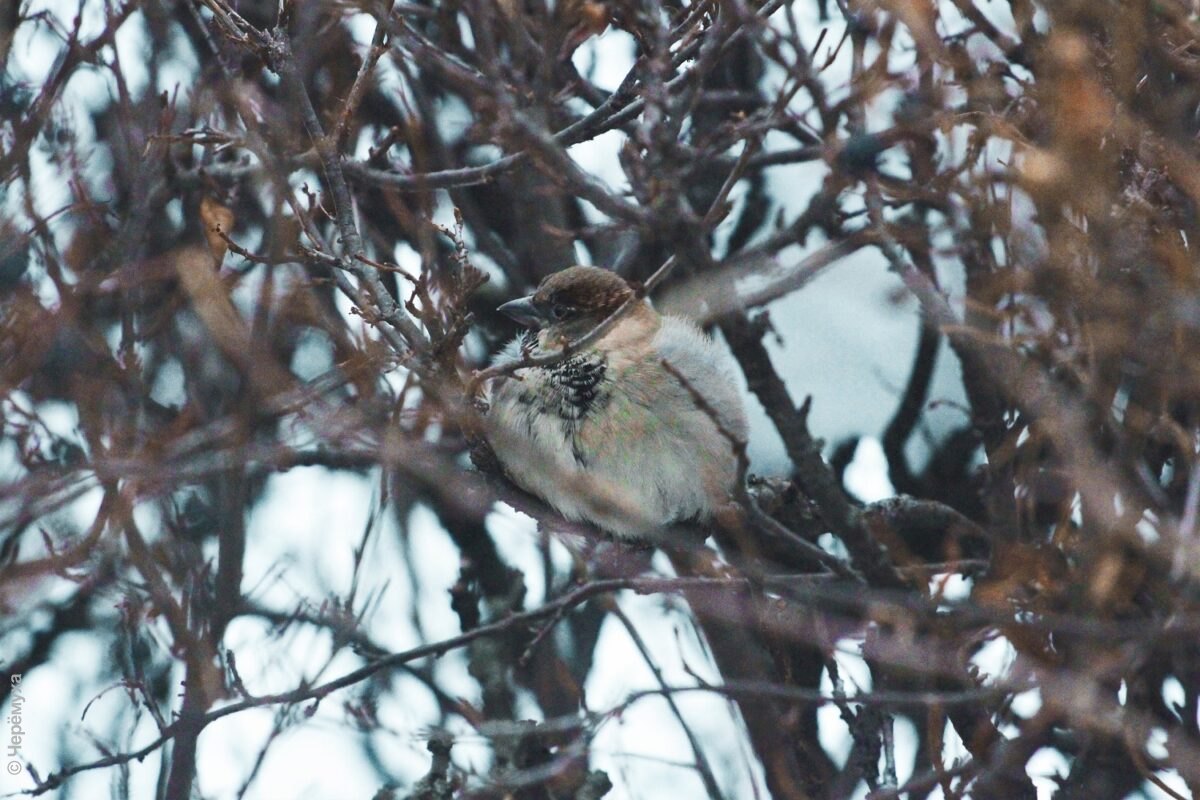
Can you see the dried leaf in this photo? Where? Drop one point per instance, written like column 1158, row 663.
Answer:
column 218, row 222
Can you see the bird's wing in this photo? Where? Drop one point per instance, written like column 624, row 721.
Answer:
column 706, row 367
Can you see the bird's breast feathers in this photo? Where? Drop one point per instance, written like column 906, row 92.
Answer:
column 617, row 425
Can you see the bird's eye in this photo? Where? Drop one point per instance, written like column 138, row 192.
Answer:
column 560, row 311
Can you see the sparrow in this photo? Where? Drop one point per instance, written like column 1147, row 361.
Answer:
column 633, row 432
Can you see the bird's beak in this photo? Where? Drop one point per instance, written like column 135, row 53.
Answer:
column 523, row 311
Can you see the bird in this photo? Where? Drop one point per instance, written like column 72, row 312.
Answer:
column 633, row 432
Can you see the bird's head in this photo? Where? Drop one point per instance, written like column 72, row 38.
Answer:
column 570, row 303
